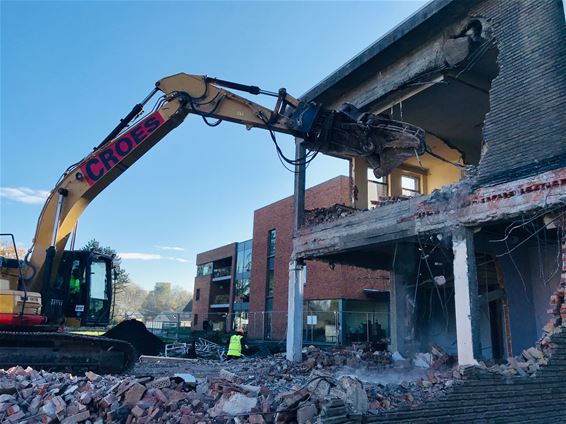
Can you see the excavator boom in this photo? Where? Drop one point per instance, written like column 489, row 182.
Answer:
column 345, row 133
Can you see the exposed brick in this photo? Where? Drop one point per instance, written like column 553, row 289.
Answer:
column 342, row 282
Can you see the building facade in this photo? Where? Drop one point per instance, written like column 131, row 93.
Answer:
column 343, row 303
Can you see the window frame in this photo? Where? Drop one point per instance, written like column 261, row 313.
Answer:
column 418, row 184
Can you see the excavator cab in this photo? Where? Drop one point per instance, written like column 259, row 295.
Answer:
column 81, row 293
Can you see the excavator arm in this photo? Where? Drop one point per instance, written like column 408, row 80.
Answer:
column 345, row 133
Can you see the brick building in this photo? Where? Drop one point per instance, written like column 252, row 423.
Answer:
column 213, row 289
column 342, row 303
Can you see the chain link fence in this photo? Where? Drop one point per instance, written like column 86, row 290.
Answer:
column 329, row 327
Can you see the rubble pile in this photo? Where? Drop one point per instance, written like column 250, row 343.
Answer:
column 328, row 386
column 30, row 396
column 531, row 359
column 324, row 215
column 253, row 390
column 388, row 200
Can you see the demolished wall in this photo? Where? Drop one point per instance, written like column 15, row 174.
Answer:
column 485, row 396
column 528, row 97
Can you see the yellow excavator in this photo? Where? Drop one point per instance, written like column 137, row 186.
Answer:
column 51, row 285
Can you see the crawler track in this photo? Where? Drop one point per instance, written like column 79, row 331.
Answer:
column 65, row 352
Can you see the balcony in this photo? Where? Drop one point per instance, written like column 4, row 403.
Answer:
column 221, row 274
column 220, row 301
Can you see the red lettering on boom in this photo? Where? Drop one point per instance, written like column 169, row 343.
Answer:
column 107, row 157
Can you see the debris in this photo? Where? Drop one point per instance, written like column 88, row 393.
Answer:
column 135, row 332
column 397, row 357
column 306, row 413
column 233, row 404
column 187, row 378
column 328, row 386
column 423, row 360
column 324, row 215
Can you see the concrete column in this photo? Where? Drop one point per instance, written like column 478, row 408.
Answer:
column 295, row 312
column 397, row 313
column 466, row 296
column 401, row 312
column 359, row 170
column 300, row 178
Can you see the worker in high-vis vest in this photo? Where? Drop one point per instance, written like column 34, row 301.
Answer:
column 235, row 345
column 75, row 282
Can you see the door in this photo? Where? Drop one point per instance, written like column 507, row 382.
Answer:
column 100, row 286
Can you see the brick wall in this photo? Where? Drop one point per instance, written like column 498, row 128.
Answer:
column 216, row 254
column 200, row 307
column 491, row 398
column 322, row 281
column 524, row 129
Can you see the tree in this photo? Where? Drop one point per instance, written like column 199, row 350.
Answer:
column 122, row 279
column 7, row 250
column 165, row 298
column 129, row 301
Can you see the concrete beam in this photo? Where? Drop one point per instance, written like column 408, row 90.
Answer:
column 295, row 313
column 432, row 213
column 466, row 296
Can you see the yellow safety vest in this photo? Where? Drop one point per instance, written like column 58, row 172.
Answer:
column 235, row 346
column 75, row 285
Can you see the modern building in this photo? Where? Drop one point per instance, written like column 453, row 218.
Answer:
column 245, row 284
column 214, row 288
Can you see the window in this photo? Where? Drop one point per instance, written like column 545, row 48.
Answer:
column 270, row 282
column 268, row 319
column 195, row 320
column 242, row 290
column 271, row 239
column 204, row 269
column 98, row 303
column 410, row 185
column 320, row 320
column 270, row 275
column 243, row 268
column 197, row 294
column 377, row 187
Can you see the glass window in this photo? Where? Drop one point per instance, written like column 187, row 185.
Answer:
column 240, row 261
column 320, row 323
column 204, row 269
column 377, row 188
column 410, row 185
column 242, row 290
column 271, row 240
column 270, row 282
column 98, row 281
column 197, row 294
column 248, row 260
column 98, row 294
column 241, row 320
column 195, row 319
column 366, row 321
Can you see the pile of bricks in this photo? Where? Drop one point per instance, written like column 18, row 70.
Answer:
column 30, row 396
column 323, row 215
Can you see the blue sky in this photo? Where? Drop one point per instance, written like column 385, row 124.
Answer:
column 71, row 70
